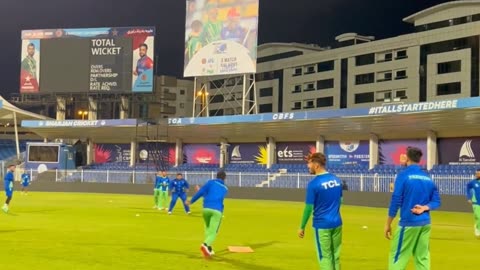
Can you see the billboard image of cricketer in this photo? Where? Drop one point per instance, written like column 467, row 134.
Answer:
column 220, row 37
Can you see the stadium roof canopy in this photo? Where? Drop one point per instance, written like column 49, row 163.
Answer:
column 9, row 111
column 447, row 118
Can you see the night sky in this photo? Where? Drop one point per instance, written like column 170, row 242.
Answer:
column 305, row 21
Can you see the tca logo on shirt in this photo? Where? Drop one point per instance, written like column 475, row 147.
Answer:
column 331, row 184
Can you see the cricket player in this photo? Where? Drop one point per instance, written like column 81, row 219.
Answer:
column 145, row 62
column 233, row 30
column 213, row 193
column 8, row 182
column 212, row 29
column 415, row 194
column 25, row 182
column 163, row 184
column 29, row 64
column 324, row 198
column 194, row 43
column 473, row 197
column 179, row 188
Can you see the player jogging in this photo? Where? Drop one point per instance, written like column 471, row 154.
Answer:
column 179, row 188
column 324, row 198
column 473, row 197
column 8, row 182
column 160, row 190
column 213, row 193
column 25, row 182
column 415, row 194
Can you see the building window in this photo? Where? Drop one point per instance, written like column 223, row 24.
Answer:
column 182, row 92
column 182, row 105
column 385, row 57
column 366, row 59
column 297, row 71
column 297, row 89
column 265, row 108
column 364, row 78
column 309, row 104
column 401, row 94
column 218, row 112
column 297, row 105
column 325, row 66
column 143, row 108
column 402, row 54
column 324, row 102
column 266, row 92
column 384, row 96
column 449, row 89
column 309, row 87
column 325, row 84
column 449, row 67
column 384, row 76
column 309, row 70
column 400, row 74
column 217, row 99
column 364, row 97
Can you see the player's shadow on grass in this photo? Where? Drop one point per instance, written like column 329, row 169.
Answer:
column 233, row 262
column 42, row 211
column 15, row 231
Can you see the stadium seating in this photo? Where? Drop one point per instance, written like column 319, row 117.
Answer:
column 8, row 148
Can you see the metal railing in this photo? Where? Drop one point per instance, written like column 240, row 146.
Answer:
column 367, row 182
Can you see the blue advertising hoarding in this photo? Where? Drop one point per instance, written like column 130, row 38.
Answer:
column 247, row 153
column 78, row 123
column 347, row 153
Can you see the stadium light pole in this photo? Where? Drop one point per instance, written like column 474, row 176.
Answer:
column 203, row 95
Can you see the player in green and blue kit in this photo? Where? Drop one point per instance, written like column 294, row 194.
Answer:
column 415, row 194
column 324, row 198
column 8, row 184
column 179, row 188
column 473, row 197
column 213, row 193
column 163, row 184
column 25, row 182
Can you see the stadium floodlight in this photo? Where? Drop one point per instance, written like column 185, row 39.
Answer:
column 83, row 114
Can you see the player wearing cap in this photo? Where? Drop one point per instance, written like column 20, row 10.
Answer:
column 8, row 184
column 473, row 197
column 415, row 195
column 233, row 30
column 179, row 187
column 324, row 198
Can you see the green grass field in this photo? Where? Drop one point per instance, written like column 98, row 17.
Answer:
column 97, row 231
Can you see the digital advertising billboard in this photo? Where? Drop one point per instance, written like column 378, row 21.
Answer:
column 88, row 60
column 220, row 37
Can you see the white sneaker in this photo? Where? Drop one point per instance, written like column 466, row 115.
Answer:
column 169, row 213
column 5, row 208
column 477, row 231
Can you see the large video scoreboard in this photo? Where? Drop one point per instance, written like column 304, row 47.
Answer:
column 88, row 60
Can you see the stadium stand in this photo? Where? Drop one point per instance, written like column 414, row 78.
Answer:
column 8, row 148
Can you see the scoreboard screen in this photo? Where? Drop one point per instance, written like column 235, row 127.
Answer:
column 88, row 60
